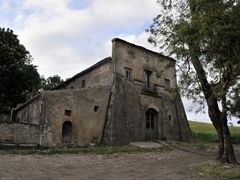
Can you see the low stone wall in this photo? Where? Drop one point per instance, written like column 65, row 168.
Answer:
column 19, row 133
column 5, row 117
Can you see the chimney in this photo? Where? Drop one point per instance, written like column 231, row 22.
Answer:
column 34, row 90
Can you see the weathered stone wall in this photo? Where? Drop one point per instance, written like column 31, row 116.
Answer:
column 139, row 59
column 86, row 109
column 126, row 118
column 5, row 117
column 99, row 76
column 19, row 133
column 29, row 112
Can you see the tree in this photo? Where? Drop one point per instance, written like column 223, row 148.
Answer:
column 17, row 74
column 204, row 35
column 50, row 82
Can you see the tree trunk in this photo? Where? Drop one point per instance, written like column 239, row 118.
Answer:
column 225, row 148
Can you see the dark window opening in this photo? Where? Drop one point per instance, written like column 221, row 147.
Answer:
column 148, row 75
column 71, row 87
column 83, row 83
column 96, row 108
column 170, row 117
column 128, row 73
column 68, row 112
column 167, row 84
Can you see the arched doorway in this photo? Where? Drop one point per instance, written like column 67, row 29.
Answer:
column 66, row 132
column 151, row 132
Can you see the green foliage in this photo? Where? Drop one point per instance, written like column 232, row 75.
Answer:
column 17, row 74
column 50, row 82
column 204, row 36
column 207, row 133
column 99, row 149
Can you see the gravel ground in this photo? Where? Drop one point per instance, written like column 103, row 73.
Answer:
column 174, row 165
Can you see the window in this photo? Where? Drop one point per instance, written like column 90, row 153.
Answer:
column 83, row 83
column 170, row 117
column 167, row 84
column 96, row 108
column 128, row 73
column 148, row 75
column 68, row 112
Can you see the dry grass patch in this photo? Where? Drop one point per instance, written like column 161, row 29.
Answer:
column 219, row 170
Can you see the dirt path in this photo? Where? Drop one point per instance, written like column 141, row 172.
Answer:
column 173, row 165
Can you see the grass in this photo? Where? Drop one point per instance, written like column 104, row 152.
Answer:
column 219, row 170
column 98, row 149
column 207, row 133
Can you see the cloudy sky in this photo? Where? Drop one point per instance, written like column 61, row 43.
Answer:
column 66, row 36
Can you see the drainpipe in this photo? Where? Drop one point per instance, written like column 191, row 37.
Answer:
column 13, row 109
column 42, row 121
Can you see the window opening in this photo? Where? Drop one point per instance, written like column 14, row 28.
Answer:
column 148, row 75
column 128, row 73
column 170, row 117
column 83, row 83
column 96, row 108
column 167, row 84
column 68, row 112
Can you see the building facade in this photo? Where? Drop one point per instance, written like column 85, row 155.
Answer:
column 130, row 96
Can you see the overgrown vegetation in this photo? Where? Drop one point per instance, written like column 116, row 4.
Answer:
column 207, row 133
column 219, row 170
column 204, row 37
column 98, row 149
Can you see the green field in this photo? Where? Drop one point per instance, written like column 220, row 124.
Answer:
column 206, row 132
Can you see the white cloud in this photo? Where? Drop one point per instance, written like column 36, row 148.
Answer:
column 59, row 36
column 66, row 36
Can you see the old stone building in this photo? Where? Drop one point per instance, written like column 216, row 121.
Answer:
column 123, row 98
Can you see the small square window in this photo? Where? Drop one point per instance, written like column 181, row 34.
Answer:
column 83, row 83
column 167, row 84
column 96, row 108
column 68, row 112
column 128, row 73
